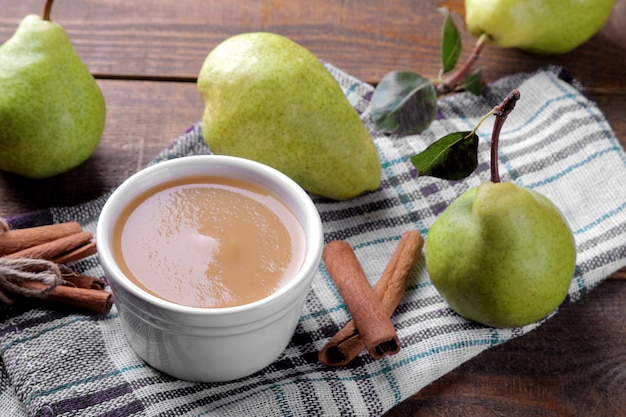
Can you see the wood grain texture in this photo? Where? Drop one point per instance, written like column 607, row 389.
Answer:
column 366, row 38
column 147, row 60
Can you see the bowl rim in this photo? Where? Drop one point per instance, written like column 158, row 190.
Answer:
column 122, row 194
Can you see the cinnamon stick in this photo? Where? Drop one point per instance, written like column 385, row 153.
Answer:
column 20, row 239
column 78, row 253
column 375, row 327
column 395, row 278
column 29, row 251
column 74, row 279
column 95, row 301
column 54, row 248
column 342, row 348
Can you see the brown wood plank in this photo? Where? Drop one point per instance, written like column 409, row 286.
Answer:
column 366, row 38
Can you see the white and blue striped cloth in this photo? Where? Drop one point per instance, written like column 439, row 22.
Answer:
column 56, row 363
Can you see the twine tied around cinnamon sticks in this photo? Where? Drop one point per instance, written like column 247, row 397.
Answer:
column 370, row 308
column 32, row 265
column 14, row 272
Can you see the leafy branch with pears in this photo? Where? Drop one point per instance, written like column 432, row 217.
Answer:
column 405, row 103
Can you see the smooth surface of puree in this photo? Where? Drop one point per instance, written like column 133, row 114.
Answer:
column 208, row 242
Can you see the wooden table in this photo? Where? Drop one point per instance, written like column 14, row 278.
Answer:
column 146, row 60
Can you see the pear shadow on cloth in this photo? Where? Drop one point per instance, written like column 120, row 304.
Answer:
column 73, row 187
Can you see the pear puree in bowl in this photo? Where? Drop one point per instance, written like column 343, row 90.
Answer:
column 208, row 242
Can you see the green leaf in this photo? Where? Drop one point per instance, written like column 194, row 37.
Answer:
column 453, row 157
column 473, row 83
column 404, row 103
column 451, row 45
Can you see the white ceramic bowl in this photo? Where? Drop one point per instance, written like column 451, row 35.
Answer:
column 210, row 344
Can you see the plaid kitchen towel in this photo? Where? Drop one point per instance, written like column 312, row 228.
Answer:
column 556, row 141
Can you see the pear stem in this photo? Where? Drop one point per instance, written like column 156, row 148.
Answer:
column 46, row 10
column 501, row 111
column 448, row 85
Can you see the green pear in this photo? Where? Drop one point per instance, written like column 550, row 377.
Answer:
column 271, row 100
column 501, row 255
column 546, row 27
column 52, row 112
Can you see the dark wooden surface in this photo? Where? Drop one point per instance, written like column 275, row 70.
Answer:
column 146, row 60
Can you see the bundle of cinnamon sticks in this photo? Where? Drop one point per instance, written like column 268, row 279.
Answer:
column 28, row 257
column 371, row 308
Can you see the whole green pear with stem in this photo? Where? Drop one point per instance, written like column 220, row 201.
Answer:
column 271, row 100
column 501, row 255
column 52, row 111
column 545, row 27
